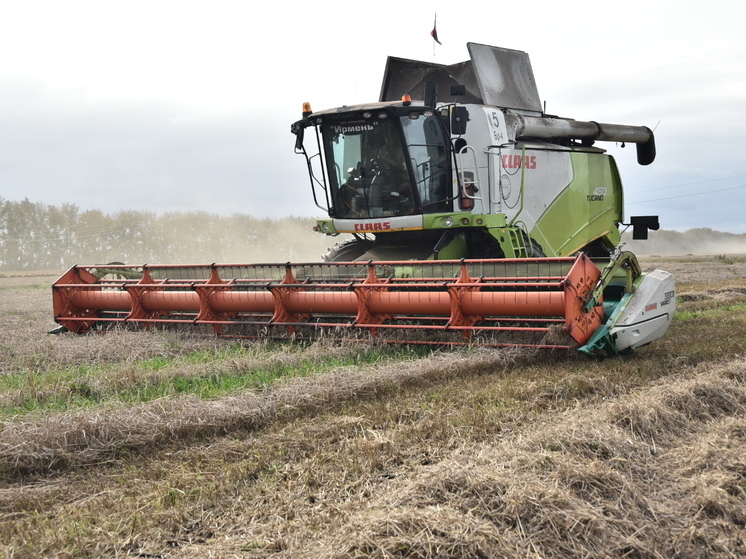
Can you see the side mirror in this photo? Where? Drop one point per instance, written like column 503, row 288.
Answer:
column 640, row 225
column 298, row 138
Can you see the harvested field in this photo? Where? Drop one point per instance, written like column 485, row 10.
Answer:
column 148, row 444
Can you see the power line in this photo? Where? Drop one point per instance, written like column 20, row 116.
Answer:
column 687, row 195
column 687, row 184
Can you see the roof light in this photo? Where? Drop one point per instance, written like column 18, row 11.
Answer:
column 306, row 109
column 406, row 99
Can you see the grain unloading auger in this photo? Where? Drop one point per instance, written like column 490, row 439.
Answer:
column 479, row 216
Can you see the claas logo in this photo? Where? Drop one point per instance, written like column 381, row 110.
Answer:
column 518, row 161
column 385, row 226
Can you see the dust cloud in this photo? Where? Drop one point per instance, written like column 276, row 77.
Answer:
column 693, row 241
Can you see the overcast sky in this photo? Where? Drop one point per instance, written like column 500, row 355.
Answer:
column 186, row 105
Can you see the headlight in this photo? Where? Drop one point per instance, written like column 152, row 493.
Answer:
column 448, row 221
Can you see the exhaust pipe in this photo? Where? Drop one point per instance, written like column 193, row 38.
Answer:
column 525, row 127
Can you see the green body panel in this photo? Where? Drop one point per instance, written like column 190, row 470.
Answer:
column 454, row 250
column 511, row 241
column 463, row 219
column 434, row 221
column 589, row 209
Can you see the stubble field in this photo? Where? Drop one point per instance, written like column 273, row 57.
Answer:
column 153, row 444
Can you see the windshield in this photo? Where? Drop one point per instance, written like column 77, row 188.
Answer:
column 389, row 166
column 429, row 158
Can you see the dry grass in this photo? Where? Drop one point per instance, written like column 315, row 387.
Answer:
column 483, row 454
column 57, row 441
column 658, row 474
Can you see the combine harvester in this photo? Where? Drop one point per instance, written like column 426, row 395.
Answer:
column 475, row 217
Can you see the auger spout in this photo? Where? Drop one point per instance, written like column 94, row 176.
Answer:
column 525, row 127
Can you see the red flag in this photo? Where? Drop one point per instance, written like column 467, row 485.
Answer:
column 434, row 32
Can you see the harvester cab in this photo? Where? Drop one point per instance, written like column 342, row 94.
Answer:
column 475, row 218
column 460, row 161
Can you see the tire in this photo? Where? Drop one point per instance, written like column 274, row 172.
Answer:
column 348, row 251
column 533, row 249
column 483, row 245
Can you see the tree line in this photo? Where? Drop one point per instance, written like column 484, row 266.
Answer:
column 37, row 236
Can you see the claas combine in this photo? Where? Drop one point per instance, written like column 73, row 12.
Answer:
column 474, row 217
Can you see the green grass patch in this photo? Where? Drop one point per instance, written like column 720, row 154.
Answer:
column 683, row 316
column 683, row 313
column 203, row 373
column 706, row 331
